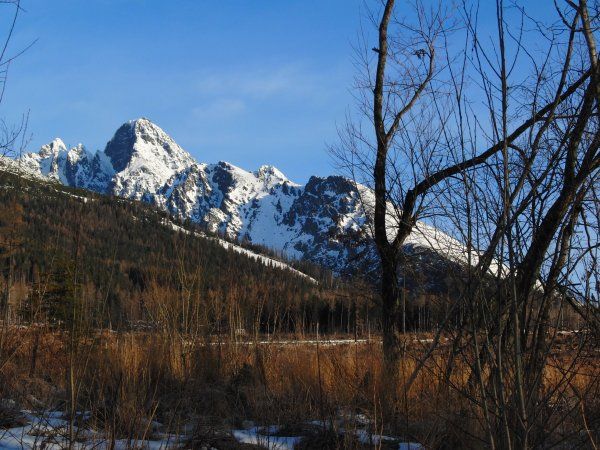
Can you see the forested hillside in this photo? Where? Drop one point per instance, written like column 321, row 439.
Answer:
column 121, row 264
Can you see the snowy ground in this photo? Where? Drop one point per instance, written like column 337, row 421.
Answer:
column 255, row 436
column 49, row 430
column 269, row 437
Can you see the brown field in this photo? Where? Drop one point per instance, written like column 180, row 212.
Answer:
column 129, row 379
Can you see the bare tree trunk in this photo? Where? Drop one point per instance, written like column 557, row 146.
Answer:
column 391, row 348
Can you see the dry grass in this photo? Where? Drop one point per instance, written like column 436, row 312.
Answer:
column 127, row 380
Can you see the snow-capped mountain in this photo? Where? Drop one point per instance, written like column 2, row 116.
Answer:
column 75, row 167
column 322, row 221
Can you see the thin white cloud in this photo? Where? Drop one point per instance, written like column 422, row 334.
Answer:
column 220, row 108
column 289, row 80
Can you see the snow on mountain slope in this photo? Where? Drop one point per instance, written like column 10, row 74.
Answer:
column 269, row 262
column 322, row 221
column 19, row 168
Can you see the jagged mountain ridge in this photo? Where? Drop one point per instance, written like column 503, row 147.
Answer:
column 322, row 221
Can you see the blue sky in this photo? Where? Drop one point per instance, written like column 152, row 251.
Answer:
column 249, row 82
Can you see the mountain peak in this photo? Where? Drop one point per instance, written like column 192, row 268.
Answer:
column 143, row 138
column 53, row 148
column 266, row 170
column 270, row 175
column 144, row 157
column 144, row 123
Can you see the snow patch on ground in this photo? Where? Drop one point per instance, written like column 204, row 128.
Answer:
column 254, row 436
column 49, row 430
column 268, row 437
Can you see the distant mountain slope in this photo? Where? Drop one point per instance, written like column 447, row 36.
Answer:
column 322, row 221
column 127, row 254
column 9, row 167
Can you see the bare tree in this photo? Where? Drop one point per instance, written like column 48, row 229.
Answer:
column 12, row 136
column 540, row 196
column 429, row 140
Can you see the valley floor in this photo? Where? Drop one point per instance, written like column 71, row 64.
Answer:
column 108, row 390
